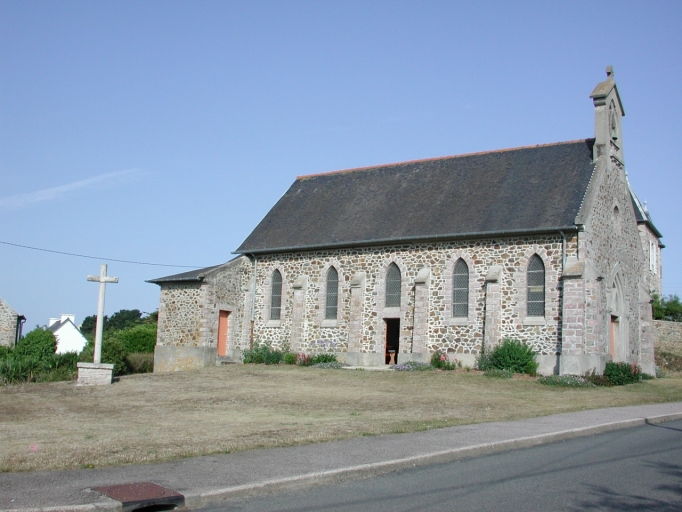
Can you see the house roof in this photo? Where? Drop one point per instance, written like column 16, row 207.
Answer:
column 521, row 190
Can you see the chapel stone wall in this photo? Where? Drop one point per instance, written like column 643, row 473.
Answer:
column 436, row 328
column 651, row 247
column 613, row 246
column 668, row 336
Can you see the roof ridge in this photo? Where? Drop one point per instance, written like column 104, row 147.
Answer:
column 405, row 162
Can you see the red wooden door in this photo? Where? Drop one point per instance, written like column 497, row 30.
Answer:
column 222, row 333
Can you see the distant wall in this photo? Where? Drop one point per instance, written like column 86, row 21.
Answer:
column 668, row 336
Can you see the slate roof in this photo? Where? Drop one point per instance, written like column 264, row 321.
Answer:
column 525, row 189
column 193, row 275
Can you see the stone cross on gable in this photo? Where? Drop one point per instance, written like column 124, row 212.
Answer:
column 102, row 279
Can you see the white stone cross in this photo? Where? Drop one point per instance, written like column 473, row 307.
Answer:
column 102, row 279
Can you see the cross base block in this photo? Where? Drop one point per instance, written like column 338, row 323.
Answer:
column 94, row 374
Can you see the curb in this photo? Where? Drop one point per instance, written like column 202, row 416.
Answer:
column 375, row 468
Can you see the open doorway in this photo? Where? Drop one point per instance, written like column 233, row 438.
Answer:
column 392, row 340
column 222, row 333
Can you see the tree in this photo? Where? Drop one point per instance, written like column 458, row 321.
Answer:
column 669, row 308
column 123, row 319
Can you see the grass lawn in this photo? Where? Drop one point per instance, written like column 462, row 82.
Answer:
column 156, row 417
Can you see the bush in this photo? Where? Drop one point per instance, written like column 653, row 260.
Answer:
column 513, row 355
column 39, row 343
column 440, row 360
column 619, row 374
column 262, row 354
column 137, row 339
column 323, row 358
column 140, row 362
column 113, row 352
column 412, row 366
column 289, row 358
column 5, row 352
column 303, row 359
column 597, row 380
column 566, row 381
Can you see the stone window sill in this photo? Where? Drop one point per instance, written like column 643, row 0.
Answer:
column 273, row 323
column 534, row 320
column 328, row 323
column 459, row 321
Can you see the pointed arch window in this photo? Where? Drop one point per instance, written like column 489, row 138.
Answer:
column 460, row 290
column 393, row 283
column 332, row 295
column 536, row 287
column 276, row 296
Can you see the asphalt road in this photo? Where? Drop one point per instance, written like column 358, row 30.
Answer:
column 634, row 469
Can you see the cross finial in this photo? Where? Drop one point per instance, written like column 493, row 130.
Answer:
column 609, row 72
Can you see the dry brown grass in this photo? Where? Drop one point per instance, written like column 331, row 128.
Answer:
column 145, row 418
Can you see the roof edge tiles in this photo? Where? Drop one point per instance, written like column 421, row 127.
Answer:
column 436, row 158
column 414, row 239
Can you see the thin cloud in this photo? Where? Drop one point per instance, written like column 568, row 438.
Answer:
column 54, row 193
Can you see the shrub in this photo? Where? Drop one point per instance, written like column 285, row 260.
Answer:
column 5, row 352
column 483, row 361
column 289, row 358
column 140, row 362
column 303, row 359
column 39, row 343
column 499, row 373
column 566, row 381
column 619, row 374
column 113, row 352
column 597, row 380
column 137, row 339
column 513, row 355
column 262, row 354
column 412, row 366
column 323, row 358
column 439, row 359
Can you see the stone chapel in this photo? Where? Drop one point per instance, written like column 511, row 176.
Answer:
column 546, row 244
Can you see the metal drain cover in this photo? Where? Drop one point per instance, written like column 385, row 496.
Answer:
column 141, row 494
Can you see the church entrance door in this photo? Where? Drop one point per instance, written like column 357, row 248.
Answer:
column 392, row 340
column 613, row 338
column 222, row 333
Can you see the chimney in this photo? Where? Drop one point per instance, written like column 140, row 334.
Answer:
column 66, row 317
column 52, row 321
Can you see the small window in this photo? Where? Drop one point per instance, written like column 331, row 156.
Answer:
column 536, row 287
column 393, row 286
column 332, row 301
column 276, row 296
column 460, row 290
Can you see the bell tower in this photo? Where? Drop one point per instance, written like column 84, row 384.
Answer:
column 608, row 112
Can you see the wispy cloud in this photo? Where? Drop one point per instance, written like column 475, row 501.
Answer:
column 50, row 194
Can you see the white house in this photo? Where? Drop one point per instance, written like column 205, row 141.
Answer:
column 69, row 337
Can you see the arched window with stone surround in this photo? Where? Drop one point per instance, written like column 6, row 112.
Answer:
column 276, row 296
column 332, row 294
column 535, row 303
column 460, row 290
column 393, row 286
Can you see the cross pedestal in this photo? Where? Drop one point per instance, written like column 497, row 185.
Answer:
column 96, row 373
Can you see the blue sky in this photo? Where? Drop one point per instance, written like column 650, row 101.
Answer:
column 163, row 132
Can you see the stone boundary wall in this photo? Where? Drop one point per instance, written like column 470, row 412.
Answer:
column 668, row 336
